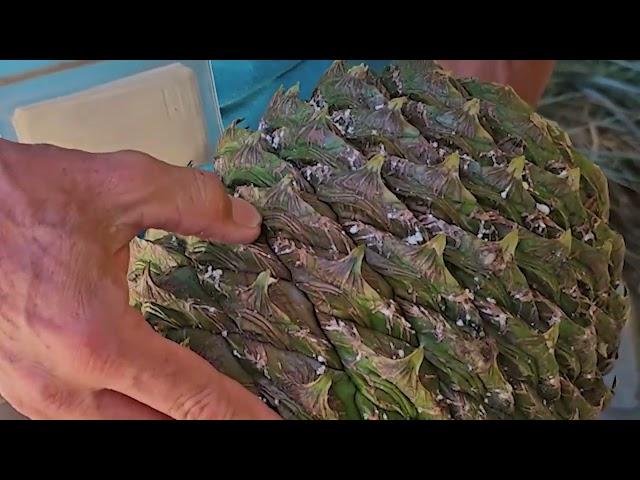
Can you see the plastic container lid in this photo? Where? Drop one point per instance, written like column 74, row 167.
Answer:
column 25, row 83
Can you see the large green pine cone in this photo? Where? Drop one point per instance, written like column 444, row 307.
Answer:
column 431, row 249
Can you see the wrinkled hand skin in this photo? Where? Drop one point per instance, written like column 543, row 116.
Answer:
column 71, row 347
column 528, row 78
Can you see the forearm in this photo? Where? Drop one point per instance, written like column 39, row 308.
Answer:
column 528, row 78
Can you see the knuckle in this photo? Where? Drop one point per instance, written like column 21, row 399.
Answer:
column 131, row 164
column 203, row 404
column 131, row 156
column 47, row 149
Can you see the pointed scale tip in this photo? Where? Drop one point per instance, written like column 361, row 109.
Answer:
column 278, row 93
column 254, row 138
column 396, row 104
column 258, row 292
column 235, row 124
column 276, row 99
column 472, row 107
column 438, row 243
column 414, row 360
column 338, row 67
column 263, row 281
column 358, row 71
column 516, row 167
column 294, row 90
column 260, row 287
column 321, row 114
column 375, row 163
column 355, row 259
column 607, row 248
column 287, row 182
column 231, row 138
column 573, row 178
column 551, row 336
column 566, row 239
column 509, row 243
column 452, row 162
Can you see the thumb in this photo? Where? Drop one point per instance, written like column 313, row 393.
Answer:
column 187, row 201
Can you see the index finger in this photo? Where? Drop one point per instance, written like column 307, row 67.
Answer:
column 179, row 383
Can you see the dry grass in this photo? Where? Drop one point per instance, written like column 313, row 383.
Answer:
column 598, row 103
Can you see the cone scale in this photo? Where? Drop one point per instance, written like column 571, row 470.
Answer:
column 431, row 249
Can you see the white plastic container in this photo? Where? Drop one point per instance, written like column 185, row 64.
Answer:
column 167, row 108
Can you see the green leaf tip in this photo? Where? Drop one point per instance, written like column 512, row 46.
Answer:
column 258, row 297
column 551, row 336
column 375, row 163
column 358, row 71
column 573, row 179
column 280, row 92
column 414, row 360
column 566, row 239
column 438, row 243
column 472, row 107
column 338, row 68
column 452, row 162
column 516, row 167
column 263, row 281
column 234, row 124
column 320, row 115
column 254, row 138
column 293, row 91
column 396, row 104
column 355, row 259
column 287, row 182
column 509, row 243
column 607, row 248
column 318, row 395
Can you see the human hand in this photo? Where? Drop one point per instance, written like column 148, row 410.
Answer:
column 528, row 78
column 71, row 347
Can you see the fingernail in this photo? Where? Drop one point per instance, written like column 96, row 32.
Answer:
column 244, row 213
